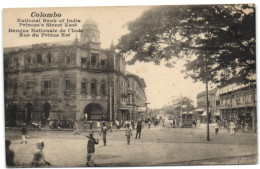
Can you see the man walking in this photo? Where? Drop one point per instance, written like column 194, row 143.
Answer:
column 104, row 132
column 85, row 126
column 216, row 127
column 76, row 130
column 138, row 130
column 232, row 127
column 128, row 133
column 24, row 133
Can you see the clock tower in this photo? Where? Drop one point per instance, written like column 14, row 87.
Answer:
column 90, row 34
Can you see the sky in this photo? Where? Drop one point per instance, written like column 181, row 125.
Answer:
column 163, row 84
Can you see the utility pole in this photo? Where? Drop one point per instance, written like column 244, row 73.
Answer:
column 207, row 97
column 206, row 82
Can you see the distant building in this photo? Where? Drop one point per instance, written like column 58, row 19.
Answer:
column 70, row 79
column 136, row 96
column 201, row 105
column 238, row 103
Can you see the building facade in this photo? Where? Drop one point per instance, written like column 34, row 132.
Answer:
column 202, row 103
column 136, row 96
column 75, row 79
column 238, row 103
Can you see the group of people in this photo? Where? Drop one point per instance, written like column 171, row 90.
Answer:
column 38, row 156
column 232, row 126
column 39, row 159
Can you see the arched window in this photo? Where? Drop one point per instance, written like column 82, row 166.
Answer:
column 103, row 88
column 93, row 89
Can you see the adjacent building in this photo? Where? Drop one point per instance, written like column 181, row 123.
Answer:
column 200, row 111
column 232, row 102
column 71, row 79
column 237, row 103
column 136, row 96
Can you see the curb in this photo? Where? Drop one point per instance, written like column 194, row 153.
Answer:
column 184, row 163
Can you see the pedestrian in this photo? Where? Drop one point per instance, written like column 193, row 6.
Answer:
column 85, row 126
column 76, row 130
column 9, row 154
column 232, row 127
column 133, row 124
column 38, row 156
column 163, row 123
column 216, row 127
column 198, row 121
column 246, row 127
column 149, row 124
column 90, row 125
column 86, row 116
column 24, row 133
column 98, row 124
column 103, row 131
column 91, row 149
column 117, row 124
column 128, row 133
column 195, row 123
column 111, row 126
column 138, row 130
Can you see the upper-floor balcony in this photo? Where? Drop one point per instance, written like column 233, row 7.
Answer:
column 238, row 101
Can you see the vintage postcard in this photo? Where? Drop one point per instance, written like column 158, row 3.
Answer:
column 130, row 86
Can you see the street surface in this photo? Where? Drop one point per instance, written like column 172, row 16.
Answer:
column 158, row 146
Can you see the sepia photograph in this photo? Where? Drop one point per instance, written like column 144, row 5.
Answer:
column 130, row 86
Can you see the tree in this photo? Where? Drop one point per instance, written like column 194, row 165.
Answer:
column 219, row 36
column 183, row 104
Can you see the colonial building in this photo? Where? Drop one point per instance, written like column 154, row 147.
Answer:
column 75, row 79
column 238, row 103
column 202, row 103
column 136, row 96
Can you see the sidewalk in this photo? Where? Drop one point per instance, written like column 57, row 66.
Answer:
column 61, row 129
column 72, row 153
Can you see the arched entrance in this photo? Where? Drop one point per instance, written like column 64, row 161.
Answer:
column 94, row 112
column 46, row 110
column 28, row 112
